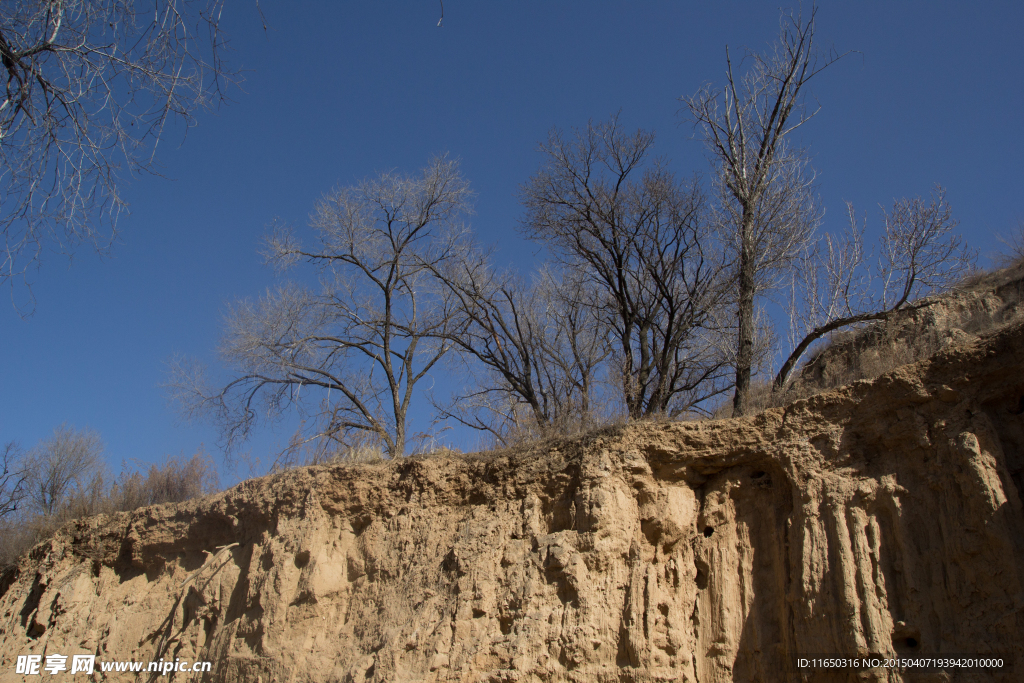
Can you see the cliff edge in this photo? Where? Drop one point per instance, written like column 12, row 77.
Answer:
column 882, row 517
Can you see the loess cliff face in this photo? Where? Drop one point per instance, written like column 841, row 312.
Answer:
column 882, row 517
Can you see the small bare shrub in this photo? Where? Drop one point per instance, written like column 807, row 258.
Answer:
column 179, row 480
column 1014, row 246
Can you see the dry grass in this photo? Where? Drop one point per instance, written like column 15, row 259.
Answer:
column 361, row 453
column 1012, row 273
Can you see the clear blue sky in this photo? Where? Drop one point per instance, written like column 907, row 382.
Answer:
column 336, row 91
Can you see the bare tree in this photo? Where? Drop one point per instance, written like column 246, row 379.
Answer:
column 835, row 287
column 642, row 239
column 540, row 345
column 349, row 356
column 575, row 345
column 12, row 479
column 90, row 85
column 767, row 204
column 61, row 467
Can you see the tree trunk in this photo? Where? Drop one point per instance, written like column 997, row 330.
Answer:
column 745, row 342
column 398, row 450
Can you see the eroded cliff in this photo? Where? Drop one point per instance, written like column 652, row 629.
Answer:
column 881, row 517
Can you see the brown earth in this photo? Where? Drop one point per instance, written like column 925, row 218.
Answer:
column 881, row 517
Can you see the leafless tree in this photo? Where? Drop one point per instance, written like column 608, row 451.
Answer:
column 540, row 347
column 767, row 204
column 575, row 345
column 12, row 479
column 836, row 286
column 90, row 85
column 642, row 239
column 60, row 467
column 350, row 355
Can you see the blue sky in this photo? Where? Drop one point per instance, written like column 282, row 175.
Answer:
column 336, row 91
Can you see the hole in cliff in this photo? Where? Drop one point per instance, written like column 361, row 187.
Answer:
column 651, row 530
column 506, row 624
column 906, row 642
column 708, row 531
column 124, row 556
column 209, row 624
column 477, row 613
column 702, row 578
column 7, row 579
column 31, row 605
column 1020, row 407
column 96, row 568
column 451, row 561
column 758, row 474
column 302, row 559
